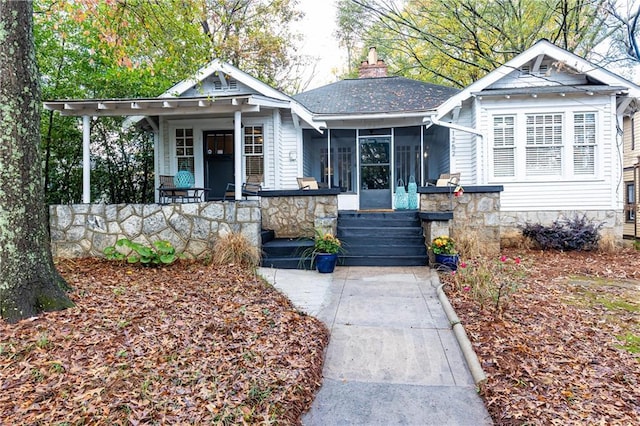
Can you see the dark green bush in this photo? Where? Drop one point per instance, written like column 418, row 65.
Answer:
column 578, row 233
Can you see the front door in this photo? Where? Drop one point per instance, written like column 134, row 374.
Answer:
column 375, row 180
column 218, row 161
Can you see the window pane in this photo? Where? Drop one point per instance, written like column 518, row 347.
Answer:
column 544, row 161
column 503, row 162
column 504, row 146
column 583, row 160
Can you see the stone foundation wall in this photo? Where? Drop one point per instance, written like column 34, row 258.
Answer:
column 475, row 215
column 294, row 216
column 512, row 236
column 86, row 229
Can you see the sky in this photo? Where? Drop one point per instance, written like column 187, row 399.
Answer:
column 318, row 26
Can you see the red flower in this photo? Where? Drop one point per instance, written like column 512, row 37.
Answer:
column 466, row 288
column 503, row 258
column 517, row 260
column 463, row 265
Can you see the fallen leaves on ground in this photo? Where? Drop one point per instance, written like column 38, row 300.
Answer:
column 186, row 344
column 555, row 356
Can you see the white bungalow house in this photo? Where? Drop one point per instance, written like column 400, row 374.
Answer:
column 546, row 128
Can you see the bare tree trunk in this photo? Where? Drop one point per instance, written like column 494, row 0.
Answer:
column 29, row 282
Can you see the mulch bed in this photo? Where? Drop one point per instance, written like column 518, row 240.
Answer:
column 550, row 357
column 186, row 344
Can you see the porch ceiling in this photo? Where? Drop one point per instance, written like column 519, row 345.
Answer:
column 165, row 106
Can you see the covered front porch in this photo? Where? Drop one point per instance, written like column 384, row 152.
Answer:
column 368, row 164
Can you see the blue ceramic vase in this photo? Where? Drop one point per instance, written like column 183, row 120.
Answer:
column 326, row 262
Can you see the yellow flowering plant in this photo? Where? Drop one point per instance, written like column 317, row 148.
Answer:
column 327, row 243
column 443, row 245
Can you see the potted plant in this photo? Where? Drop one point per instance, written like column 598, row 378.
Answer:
column 445, row 253
column 324, row 252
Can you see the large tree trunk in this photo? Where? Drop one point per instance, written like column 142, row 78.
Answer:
column 29, row 282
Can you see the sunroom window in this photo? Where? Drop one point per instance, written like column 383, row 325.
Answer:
column 584, row 143
column 544, row 144
column 504, row 145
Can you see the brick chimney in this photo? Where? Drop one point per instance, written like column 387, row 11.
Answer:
column 372, row 67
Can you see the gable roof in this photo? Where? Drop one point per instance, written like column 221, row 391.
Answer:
column 184, row 97
column 375, row 96
column 217, row 67
column 544, row 48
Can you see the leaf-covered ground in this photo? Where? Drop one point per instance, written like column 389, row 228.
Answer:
column 188, row 344
column 563, row 351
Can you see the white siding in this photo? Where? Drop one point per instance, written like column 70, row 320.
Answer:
column 463, row 149
column 599, row 192
column 289, row 155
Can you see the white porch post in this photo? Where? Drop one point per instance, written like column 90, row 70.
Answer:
column 237, row 149
column 86, row 160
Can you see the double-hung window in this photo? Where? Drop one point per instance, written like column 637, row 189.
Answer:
column 584, row 143
column 254, row 151
column 184, row 149
column 504, row 146
column 544, row 144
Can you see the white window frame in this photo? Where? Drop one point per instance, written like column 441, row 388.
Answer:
column 585, row 137
column 246, row 155
column 545, row 144
column 181, row 148
column 502, row 142
column 567, row 149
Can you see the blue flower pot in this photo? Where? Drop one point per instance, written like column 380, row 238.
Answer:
column 326, row 262
column 449, row 261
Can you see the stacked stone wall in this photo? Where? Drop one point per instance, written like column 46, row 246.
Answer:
column 476, row 215
column 291, row 216
column 86, row 229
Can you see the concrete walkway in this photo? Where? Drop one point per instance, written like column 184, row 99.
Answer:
column 393, row 358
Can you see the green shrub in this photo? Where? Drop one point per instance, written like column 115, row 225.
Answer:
column 160, row 252
column 578, row 233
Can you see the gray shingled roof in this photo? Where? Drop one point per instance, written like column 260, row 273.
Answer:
column 375, row 95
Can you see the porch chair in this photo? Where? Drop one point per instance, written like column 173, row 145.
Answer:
column 250, row 188
column 448, row 179
column 307, row 183
column 167, row 181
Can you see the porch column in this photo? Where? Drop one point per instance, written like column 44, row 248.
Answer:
column 237, row 149
column 86, row 160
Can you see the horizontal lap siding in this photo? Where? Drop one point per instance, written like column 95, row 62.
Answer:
column 463, row 149
column 288, row 144
column 556, row 196
column 599, row 193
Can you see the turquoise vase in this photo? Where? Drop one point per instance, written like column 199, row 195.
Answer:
column 449, row 261
column 326, row 262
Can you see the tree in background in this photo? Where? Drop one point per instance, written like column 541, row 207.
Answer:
column 459, row 41
column 353, row 19
column 627, row 14
column 29, row 282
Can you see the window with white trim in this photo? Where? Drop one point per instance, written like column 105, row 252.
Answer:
column 584, row 143
column 544, row 144
column 254, row 150
column 184, row 149
column 630, row 202
column 504, row 145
